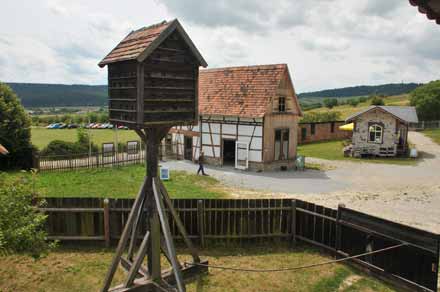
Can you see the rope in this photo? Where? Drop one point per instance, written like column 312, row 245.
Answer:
column 299, row 267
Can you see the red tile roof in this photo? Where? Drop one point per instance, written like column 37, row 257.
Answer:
column 239, row 91
column 134, row 43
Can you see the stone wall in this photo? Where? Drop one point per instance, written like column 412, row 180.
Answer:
column 323, row 132
column 360, row 140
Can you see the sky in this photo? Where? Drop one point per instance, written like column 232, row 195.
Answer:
column 326, row 43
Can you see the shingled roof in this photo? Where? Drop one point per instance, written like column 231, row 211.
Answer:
column 406, row 114
column 240, row 91
column 429, row 7
column 140, row 43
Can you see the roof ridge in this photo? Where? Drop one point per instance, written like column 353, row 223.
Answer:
column 163, row 22
column 238, row 68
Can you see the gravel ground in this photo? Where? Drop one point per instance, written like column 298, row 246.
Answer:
column 407, row 194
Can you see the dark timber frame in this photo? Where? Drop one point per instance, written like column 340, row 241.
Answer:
column 153, row 85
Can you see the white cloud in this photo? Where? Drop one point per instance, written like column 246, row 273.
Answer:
column 327, row 43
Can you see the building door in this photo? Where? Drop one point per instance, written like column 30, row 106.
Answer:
column 187, row 154
column 281, row 144
column 241, row 155
column 228, row 151
column 303, row 134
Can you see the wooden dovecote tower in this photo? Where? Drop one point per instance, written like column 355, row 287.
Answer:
column 152, row 82
column 153, row 77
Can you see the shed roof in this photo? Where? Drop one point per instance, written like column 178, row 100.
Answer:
column 139, row 44
column 406, row 114
column 240, row 91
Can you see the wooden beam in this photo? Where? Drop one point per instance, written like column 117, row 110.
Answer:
column 124, row 238
column 168, row 238
column 138, row 261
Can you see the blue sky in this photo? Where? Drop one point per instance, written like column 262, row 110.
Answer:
column 326, row 43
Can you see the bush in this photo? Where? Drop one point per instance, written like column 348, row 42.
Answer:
column 15, row 133
column 426, row 99
column 376, row 100
column 21, row 224
column 59, row 147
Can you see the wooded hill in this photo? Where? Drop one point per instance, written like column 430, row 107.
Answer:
column 53, row 95
column 363, row 90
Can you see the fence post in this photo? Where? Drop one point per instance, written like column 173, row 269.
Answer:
column 338, row 228
column 201, row 222
column 293, row 223
column 106, row 222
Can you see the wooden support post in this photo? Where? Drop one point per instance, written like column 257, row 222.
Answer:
column 339, row 228
column 138, row 261
column 106, row 222
column 293, row 223
column 123, row 240
column 201, row 222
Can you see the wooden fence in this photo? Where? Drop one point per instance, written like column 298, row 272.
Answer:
column 342, row 232
column 422, row 125
column 106, row 157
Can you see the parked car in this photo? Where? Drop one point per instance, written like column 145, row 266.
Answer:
column 96, row 126
column 49, row 126
column 62, row 126
column 72, row 126
column 90, row 126
column 56, row 126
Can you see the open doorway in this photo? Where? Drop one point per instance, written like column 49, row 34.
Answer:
column 187, row 154
column 228, row 152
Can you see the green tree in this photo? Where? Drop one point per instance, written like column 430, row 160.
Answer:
column 330, row 102
column 376, row 100
column 15, row 133
column 426, row 99
column 353, row 102
column 21, row 224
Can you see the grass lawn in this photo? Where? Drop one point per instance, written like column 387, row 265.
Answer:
column 122, row 182
column 42, row 136
column 84, row 270
column 434, row 134
column 332, row 150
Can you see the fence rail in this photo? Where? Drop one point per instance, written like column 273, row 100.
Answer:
column 342, row 231
column 422, row 125
column 133, row 153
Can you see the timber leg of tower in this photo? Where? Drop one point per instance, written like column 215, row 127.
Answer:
column 152, row 197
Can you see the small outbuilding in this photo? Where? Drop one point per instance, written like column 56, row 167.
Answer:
column 381, row 130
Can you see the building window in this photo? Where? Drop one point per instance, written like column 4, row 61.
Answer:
column 312, row 129
column 282, row 104
column 281, row 144
column 375, row 133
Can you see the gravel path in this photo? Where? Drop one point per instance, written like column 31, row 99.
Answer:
column 407, row 194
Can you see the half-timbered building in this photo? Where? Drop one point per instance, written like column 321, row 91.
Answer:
column 248, row 118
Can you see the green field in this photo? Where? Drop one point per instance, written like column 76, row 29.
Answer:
column 78, row 270
column 42, row 136
column 347, row 110
column 122, row 182
column 434, row 134
column 332, row 150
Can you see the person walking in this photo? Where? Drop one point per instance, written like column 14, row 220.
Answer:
column 201, row 162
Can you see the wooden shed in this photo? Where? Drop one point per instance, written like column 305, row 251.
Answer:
column 382, row 130
column 153, row 77
column 248, row 118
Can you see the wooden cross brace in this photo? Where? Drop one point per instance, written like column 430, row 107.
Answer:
column 153, row 197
